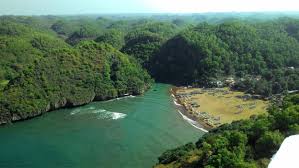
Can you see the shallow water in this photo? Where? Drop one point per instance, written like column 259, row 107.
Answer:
column 128, row 132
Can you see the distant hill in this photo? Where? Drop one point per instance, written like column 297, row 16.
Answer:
column 205, row 53
column 44, row 73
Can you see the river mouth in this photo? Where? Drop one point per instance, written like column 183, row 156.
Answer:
column 127, row 132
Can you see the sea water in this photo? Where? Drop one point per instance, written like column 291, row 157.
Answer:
column 121, row 133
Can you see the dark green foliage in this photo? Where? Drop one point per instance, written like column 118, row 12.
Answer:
column 146, row 38
column 248, row 143
column 112, row 37
column 86, row 27
column 63, row 28
column 163, row 29
column 85, row 32
column 143, row 46
column 120, row 25
column 291, row 26
column 72, row 77
column 40, row 72
column 45, row 73
column 262, row 57
column 189, row 57
column 21, row 45
column 11, row 29
column 175, row 154
column 268, row 144
column 180, row 22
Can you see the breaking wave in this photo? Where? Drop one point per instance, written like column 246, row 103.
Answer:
column 174, row 101
column 76, row 111
column 119, row 98
column 192, row 122
column 100, row 113
column 111, row 115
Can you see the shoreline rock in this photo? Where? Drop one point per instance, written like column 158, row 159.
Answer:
column 181, row 107
column 9, row 118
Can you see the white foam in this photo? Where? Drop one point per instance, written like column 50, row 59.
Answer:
column 119, row 98
column 98, row 111
column 111, row 115
column 91, row 108
column 192, row 122
column 84, row 110
column 116, row 116
column 174, row 101
column 124, row 97
column 76, row 111
column 172, row 95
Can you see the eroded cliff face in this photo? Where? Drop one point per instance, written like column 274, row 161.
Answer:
column 69, row 78
column 10, row 117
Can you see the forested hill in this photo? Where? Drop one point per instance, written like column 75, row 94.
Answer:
column 48, row 62
column 205, row 53
column 51, row 62
column 40, row 72
column 242, row 144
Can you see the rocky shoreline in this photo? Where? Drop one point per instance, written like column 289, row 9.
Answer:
column 184, row 111
column 9, row 118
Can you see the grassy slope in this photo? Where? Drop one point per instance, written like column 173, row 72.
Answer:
column 225, row 106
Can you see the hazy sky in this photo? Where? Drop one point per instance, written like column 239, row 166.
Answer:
column 37, row 7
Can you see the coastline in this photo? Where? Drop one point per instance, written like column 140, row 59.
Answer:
column 10, row 118
column 210, row 108
column 193, row 121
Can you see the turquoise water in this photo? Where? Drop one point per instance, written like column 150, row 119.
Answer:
column 128, row 133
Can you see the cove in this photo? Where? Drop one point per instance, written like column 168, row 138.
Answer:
column 122, row 133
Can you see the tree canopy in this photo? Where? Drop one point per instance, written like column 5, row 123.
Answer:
column 245, row 51
column 45, row 73
column 248, row 143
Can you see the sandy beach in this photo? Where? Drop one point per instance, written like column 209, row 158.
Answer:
column 186, row 115
column 210, row 108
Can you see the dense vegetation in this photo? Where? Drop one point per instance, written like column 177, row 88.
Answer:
column 242, row 144
column 263, row 58
column 49, row 62
column 40, row 72
column 261, row 55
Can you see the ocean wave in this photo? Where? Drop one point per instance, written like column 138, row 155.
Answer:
column 76, row 111
column 116, row 116
column 119, row 98
column 100, row 113
column 91, row 108
column 192, row 122
column 80, row 110
column 111, row 115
